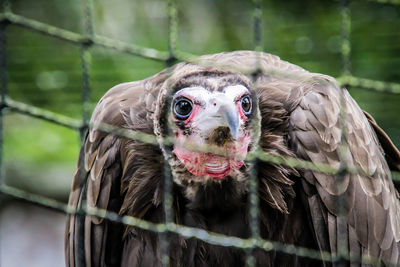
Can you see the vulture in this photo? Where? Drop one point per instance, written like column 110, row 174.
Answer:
column 208, row 115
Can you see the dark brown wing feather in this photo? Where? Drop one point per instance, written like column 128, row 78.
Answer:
column 106, row 160
column 371, row 205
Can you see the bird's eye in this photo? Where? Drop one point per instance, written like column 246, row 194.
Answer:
column 182, row 108
column 245, row 102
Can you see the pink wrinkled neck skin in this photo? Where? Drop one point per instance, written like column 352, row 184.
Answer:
column 215, row 166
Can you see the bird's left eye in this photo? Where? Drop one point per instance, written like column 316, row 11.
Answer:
column 182, row 108
column 245, row 103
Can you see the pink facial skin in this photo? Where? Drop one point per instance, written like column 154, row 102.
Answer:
column 215, row 166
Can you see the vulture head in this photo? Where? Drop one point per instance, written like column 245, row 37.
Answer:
column 211, row 120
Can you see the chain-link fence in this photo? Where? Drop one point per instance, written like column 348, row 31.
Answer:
column 88, row 40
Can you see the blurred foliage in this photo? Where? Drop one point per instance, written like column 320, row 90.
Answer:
column 46, row 72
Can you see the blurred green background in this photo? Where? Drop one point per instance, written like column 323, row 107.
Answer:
column 46, row 72
column 40, row 157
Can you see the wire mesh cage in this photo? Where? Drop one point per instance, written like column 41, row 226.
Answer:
column 87, row 43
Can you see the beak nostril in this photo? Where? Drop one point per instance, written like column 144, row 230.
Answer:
column 221, row 136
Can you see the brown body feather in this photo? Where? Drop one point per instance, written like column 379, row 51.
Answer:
column 300, row 118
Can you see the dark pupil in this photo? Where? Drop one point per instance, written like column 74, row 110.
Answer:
column 246, row 104
column 183, row 108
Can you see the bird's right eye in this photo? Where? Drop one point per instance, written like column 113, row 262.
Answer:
column 182, row 108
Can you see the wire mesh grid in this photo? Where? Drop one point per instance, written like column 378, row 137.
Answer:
column 89, row 39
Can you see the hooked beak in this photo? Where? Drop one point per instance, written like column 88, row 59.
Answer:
column 230, row 118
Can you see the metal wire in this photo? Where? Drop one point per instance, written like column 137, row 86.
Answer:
column 342, row 249
column 345, row 48
column 80, row 39
column 85, row 60
column 253, row 198
column 150, row 139
column 3, row 78
column 185, row 231
column 172, row 13
column 88, row 39
column 392, row 2
column 6, row 7
column 374, row 85
column 257, row 24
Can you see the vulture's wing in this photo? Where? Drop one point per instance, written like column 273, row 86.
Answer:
column 105, row 159
column 371, row 205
